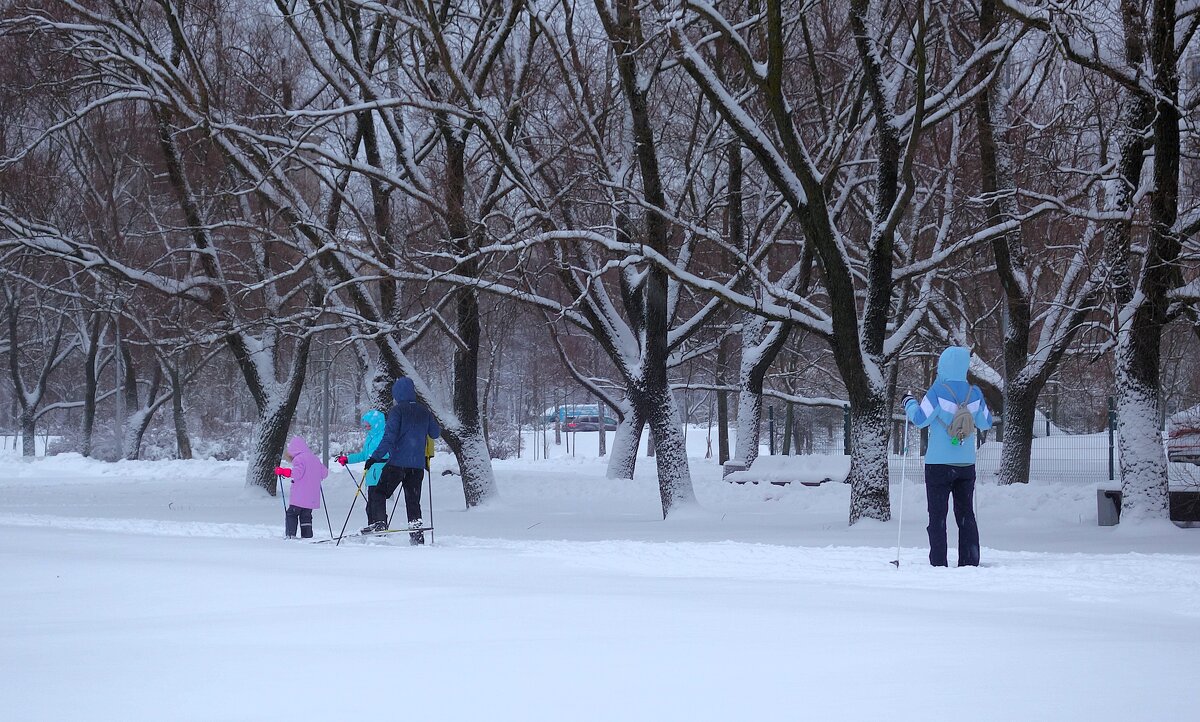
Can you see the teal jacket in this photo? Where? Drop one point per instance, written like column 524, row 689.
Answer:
column 936, row 410
column 375, row 422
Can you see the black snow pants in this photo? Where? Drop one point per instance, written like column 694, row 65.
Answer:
column 303, row 517
column 941, row 482
column 391, row 478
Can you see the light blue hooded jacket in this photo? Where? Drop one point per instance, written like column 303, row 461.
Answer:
column 375, row 422
column 936, row 410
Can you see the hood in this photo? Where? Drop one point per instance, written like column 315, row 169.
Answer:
column 953, row 364
column 298, row 446
column 375, row 419
column 403, row 390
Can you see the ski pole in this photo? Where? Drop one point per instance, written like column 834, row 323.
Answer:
column 429, row 480
column 358, row 490
column 283, row 497
column 903, row 474
column 327, row 521
column 396, row 503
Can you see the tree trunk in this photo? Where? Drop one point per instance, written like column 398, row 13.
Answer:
column 1143, row 459
column 267, row 444
column 183, row 445
column 760, row 346
column 28, row 440
column 674, row 475
column 749, row 425
column 91, row 386
column 475, row 464
column 274, row 401
column 135, row 429
column 1020, row 406
column 88, row 423
column 623, row 460
column 870, row 427
column 1143, row 314
column 603, row 440
column 722, row 407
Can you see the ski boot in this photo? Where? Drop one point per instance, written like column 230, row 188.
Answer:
column 373, row 528
column 416, row 538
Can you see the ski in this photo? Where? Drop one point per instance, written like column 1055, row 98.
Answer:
column 360, row 535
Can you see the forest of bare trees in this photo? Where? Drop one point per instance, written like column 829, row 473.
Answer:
column 209, row 209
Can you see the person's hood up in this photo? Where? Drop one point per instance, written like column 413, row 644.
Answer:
column 403, row 390
column 298, row 446
column 375, row 419
column 953, row 364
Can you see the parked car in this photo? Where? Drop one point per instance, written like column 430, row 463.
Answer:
column 590, row 423
column 566, row 412
column 1183, row 436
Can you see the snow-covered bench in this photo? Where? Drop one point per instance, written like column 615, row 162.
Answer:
column 807, row 470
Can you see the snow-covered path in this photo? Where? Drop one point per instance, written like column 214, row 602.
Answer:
column 154, row 594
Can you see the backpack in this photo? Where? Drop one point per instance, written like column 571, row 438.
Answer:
column 962, row 426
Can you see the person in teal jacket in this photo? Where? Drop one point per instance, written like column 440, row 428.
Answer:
column 950, row 458
column 375, row 422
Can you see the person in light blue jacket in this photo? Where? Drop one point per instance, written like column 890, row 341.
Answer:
column 954, row 411
column 374, row 421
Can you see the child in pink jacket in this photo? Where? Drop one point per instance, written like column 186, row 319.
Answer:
column 306, row 474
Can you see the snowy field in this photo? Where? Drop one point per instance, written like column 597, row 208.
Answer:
column 162, row 590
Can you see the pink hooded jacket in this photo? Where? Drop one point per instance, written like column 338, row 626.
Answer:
column 307, row 474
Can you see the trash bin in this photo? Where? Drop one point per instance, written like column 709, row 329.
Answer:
column 1108, row 507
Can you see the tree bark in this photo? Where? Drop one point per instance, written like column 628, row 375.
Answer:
column 623, row 459
column 28, row 428
column 674, row 476
column 1020, row 406
column 870, row 426
column 183, row 445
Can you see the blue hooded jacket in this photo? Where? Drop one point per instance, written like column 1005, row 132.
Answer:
column 375, row 421
column 936, row 410
column 409, row 424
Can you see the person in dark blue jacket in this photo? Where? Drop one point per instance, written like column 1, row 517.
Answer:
column 952, row 410
column 409, row 426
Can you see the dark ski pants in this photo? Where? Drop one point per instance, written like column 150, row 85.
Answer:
column 391, row 478
column 303, row 517
column 941, row 482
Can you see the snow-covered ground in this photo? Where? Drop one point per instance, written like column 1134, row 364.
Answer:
column 161, row 590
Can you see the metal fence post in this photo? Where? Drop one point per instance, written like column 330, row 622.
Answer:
column 846, row 430
column 1112, row 426
column 771, row 430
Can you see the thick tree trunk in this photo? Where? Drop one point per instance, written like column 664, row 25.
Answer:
column 267, row 444
column 749, row 425
column 28, row 440
column 623, row 459
column 674, row 474
column 1143, row 314
column 870, row 427
column 274, row 401
column 760, row 346
column 1020, row 406
column 1143, row 459
column 475, row 463
column 135, row 429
